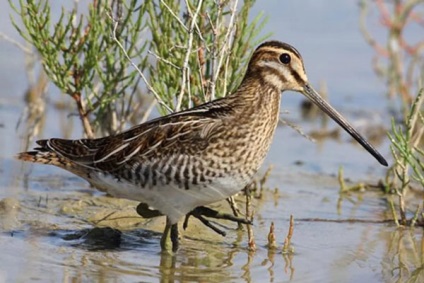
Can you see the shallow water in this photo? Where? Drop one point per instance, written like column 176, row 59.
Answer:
column 47, row 215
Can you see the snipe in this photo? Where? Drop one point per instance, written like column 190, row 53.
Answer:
column 198, row 156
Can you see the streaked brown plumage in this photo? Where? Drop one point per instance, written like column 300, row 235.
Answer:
column 198, row 156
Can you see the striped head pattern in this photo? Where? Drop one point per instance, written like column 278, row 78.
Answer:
column 280, row 65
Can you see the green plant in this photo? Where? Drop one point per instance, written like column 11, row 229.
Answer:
column 198, row 48
column 81, row 59
column 399, row 63
column 408, row 154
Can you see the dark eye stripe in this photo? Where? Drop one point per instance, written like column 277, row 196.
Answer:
column 278, row 74
column 296, row 76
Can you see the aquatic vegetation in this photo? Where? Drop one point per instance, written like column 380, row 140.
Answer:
column 108, row 58
column 407, row 171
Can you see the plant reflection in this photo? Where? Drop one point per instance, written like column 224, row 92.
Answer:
column 403, row 261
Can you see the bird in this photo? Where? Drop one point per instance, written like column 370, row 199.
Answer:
column 195, row 157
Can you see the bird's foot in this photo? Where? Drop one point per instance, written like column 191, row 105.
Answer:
column 144, row 211
column 202, row 211
column 169, row 240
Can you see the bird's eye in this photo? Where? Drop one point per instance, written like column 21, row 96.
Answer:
column 285, row 58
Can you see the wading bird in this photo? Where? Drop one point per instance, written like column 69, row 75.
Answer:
column 198, row 156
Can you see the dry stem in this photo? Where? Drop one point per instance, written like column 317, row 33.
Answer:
column 149, row 87
column 287, row 241
column 249, row 215
column 271, row 237
column 186, row 70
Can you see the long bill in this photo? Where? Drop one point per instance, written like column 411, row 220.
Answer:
column 310, row 93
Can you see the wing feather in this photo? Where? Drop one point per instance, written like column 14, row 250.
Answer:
column 191, row 129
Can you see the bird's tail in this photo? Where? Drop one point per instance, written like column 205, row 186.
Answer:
column 44, row 154
column 41, row 156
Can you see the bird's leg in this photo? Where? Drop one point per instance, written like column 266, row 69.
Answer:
column 169, row 240
column 202, row 211
column 174, row 237
column 164, row 240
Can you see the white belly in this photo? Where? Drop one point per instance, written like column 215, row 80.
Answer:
column 170, row 199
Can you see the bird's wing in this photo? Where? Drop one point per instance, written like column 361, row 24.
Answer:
column 191, row 130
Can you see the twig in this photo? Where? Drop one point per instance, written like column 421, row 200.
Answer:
column 83, row 114
column 297, row 129
column 341, row 180
column 149, row 87
column 164, row 60
column 199, row 33
column 216, row 31
column 230, row 30
column 225, row 83
column 17, row 44
column 175, row 16
column 148, row 111
column 287, row 241
column 416, row 214
column 393, row 210
column 363, row 28
column 272, row 245
column 201, row 65
column 185, row 69
column 249, row 216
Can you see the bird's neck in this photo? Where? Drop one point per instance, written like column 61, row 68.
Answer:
column 258, row 97
column 257, row 107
